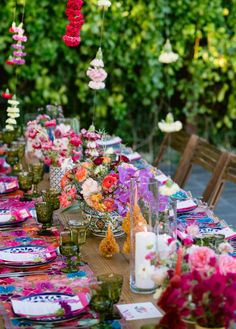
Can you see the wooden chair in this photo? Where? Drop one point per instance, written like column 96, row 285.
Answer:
column 213, row 160
column 228, row 175
column 184, row 144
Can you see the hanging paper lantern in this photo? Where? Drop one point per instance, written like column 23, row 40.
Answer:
column 13, row 112
column 96, row 72
column 75, row 17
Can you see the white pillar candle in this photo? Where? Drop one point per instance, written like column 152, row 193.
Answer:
column 145, row 242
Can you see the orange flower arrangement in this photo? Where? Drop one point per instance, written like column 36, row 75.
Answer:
column 108, row 246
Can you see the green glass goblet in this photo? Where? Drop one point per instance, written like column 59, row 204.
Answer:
column 12, row 156
column 68, row 249
column 37, row 172
column 21, row 153
column 25, row 180
column 112, row 285
column 51, row 195
column 8, row 136
column 44, row 213
column 78, row 230
column 99, row 301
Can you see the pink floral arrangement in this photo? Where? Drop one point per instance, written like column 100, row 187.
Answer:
column 202, row 288
column 94, row 182
column 56, row 144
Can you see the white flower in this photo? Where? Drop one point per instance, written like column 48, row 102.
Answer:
column 225, row 248
column 193, row 230
column 104, row 3
column 13, row 115
column 9, row 127
column 99, row 169
column 92, row 145
column 13, row 110
column 97, row 62
column 90, row 186
column 11, row 121
column 160, row 274
column 96, row 85
column 169, row 125
column 13, row 102
column 167, row 56
column 67, row 164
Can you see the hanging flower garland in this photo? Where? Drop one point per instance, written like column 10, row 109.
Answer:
column 6, row 94
column 13, row 112
column 75, row 17
column 96, row 72
column 19, row 37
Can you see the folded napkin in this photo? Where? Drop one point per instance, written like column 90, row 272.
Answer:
column 33, row 306
column 184, row 205
column 7, row 256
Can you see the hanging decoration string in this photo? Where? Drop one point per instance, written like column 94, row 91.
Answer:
column 96, row 71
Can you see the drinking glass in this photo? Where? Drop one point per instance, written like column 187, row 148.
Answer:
column 44, row 213
column 12, row 156
column 8, row 136
column 143, row 222
column 68, row 249
column 51, row 195
column 105, row 293
column 21, row 153
column 37, row 172
column 25, row 180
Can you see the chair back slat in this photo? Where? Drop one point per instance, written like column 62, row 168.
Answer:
column 230, row 173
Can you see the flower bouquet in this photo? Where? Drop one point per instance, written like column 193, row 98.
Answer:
column 202, row 289
column 101, row 188
column 56, row 145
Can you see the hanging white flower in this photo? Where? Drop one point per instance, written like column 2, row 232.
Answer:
column 167, row 55
column 13, row 112
column 104, row 3
column 169, row 125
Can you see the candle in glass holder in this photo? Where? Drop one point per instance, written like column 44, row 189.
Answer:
column 145, row 242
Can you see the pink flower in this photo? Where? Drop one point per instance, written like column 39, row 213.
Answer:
column 96, row 85
column 75, row 158
column 50, row 123
column 201, row 259
column 187, row 242
column 225, row 248
column 47, row 145
column 32, row 133
column 227, row 264
column 75, row 140
column 36, row 145
column 96, row 74
column 47, row 161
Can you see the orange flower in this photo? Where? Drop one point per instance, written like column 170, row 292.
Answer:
column 96, row 200
column 87, row 165
column 106, row 160
column 109, row 181
column 109, row 204
column 63, row 182
column 81, row 174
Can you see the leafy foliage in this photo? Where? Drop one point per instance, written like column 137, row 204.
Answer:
column 199, row 88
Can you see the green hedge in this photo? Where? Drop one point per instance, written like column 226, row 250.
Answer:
column 199, row 88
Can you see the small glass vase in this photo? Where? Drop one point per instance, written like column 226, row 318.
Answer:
column 143, row 221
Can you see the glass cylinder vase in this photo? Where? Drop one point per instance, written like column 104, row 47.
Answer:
column 143, row 221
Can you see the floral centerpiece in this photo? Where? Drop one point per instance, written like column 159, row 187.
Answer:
column 53, row 143
column 201, row 288
column 101, row 187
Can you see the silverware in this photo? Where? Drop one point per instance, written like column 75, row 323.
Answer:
column 19, row 274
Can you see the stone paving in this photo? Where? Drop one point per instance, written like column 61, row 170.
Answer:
column 226, row 207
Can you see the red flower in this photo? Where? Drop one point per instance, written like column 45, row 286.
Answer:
column 50, row 123
column 109, row 182
column 109, row 204
column 75, row 140
column 9, row 62
column 6, row 94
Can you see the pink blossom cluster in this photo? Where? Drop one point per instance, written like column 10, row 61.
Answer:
column 205, row 292
column 96, row 72
column 55, row 142
column 90, row 138
column 19, row 37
